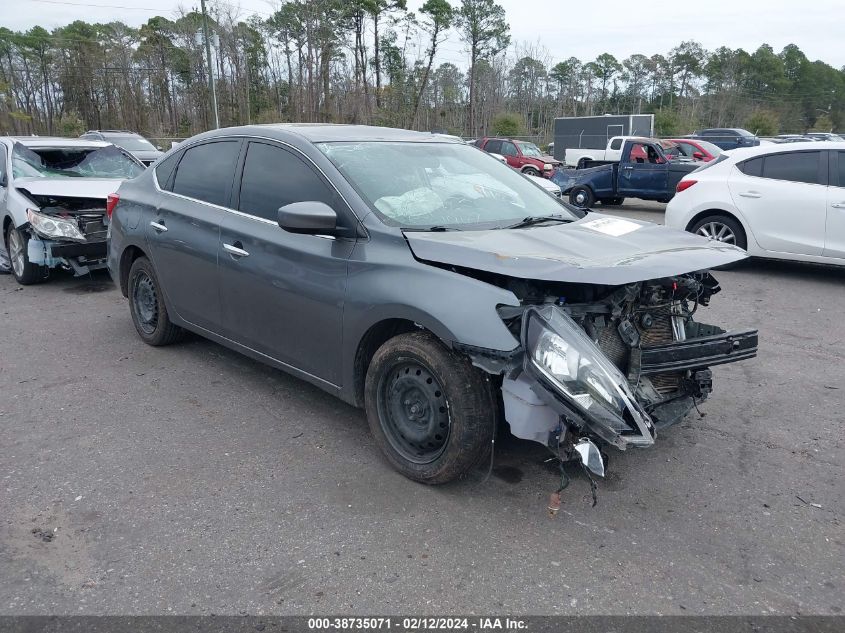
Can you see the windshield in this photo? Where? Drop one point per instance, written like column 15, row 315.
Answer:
column 72, row 162
column 422, row 185
column 529, row 149
column 132, row 143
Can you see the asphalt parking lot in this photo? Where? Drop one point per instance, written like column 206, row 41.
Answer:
column 193, row 480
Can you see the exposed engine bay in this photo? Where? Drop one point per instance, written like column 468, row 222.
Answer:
column 611, row 364
column 67, row 231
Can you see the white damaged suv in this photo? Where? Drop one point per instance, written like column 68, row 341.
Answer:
column 53, row 198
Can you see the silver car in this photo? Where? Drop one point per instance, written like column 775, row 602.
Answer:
column 53, row 198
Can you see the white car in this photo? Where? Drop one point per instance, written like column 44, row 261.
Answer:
column 775, row 201
column 53, row 203
column 544, row 183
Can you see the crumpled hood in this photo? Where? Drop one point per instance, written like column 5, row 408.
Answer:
column 69, row 187
column 597, row 249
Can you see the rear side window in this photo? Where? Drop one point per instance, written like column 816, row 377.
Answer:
column 164, row 169
column 793, row 166
column 274, row 177
column 206, row 172
column 494, row 146
column 753, row 167
column 616, row 143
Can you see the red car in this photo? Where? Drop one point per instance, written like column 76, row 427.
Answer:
column 696, row 149
column 521, row 155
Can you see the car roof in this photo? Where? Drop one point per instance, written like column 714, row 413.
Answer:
column 56, row 141
column 743, row 153
column 332, row 132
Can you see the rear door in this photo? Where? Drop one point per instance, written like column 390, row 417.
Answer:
column 282, row 294
column 783, row 198
column 183, row 233
column 834, row 242
column 644, row 174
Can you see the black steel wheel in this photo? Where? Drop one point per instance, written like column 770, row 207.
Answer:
column 581, row 197
column 430, row 411
column 413, row 412
column 146, row 305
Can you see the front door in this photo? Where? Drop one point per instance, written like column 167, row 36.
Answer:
column 282, row 294
column 184, row 232
column 644, row 175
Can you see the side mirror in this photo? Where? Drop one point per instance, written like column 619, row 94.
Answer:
column 310, row 218
column 698, row 156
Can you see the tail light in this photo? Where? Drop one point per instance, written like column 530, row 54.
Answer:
column 111, row 203
column 684, row 185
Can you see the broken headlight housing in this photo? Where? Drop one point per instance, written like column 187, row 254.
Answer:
column 50, row 226
column 561, row 353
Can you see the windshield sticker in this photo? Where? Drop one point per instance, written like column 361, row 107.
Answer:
column 611, row 226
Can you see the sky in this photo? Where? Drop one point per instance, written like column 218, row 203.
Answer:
column 583, row 29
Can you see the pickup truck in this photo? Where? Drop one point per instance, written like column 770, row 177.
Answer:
column 585, row 157
column 648, row 169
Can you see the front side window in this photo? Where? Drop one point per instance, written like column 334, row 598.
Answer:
column 274, row 177
column 3, row 165
column 73, row 162
column 508, row 149
column 793, row 166
column 206, row 171
column 439, row 184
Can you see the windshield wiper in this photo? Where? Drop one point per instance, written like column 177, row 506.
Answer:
column 434, row 229
column 536, row 219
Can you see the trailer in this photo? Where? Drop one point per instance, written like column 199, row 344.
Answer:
column 594, row 132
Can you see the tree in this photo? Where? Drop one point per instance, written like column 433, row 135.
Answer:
column 604, row 69
column 506, row 124
column 437, row 20
column 484, row 28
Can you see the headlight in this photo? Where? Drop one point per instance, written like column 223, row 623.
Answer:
column 563, row 353
column 548, row 167
column 51, row 226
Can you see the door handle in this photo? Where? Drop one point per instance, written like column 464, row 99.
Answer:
column 158, row 226
column 751, row 194
column 838, row 205
column 628, row 167
column 235, row 250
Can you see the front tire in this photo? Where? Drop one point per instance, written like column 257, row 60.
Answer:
column 531, row 171
column 146, row 304
column 581, row 197
column 430, row 411
column 26, row 273
column 721, row 228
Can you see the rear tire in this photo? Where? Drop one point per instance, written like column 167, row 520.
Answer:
column 17, row 245
column 146, row 304
column 581, row 197
column 722, row 228
column 582, row 163
column 430, row 411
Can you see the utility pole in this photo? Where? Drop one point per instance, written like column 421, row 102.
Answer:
column 211, row 85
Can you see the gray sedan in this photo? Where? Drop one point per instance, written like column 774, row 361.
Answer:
column 425, row 281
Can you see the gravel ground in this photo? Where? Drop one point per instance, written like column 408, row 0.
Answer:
column 192, row 480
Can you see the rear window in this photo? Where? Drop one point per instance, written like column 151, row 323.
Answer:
column 73, row 162
column 206, row 172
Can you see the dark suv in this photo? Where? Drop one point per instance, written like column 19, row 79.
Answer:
column 727, row 138
column 133, row 143
column 439, row 298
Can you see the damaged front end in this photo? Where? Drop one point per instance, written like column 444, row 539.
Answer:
column 67, row 232
column 610, row 364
